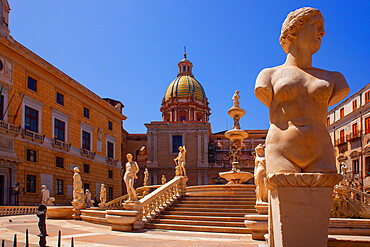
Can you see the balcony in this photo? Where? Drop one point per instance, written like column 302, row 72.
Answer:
column 87, row 153
column 353, row 136
column 27, row 134
column 9, row 128
column 62, row 145
column 340, row 141
column 111, row 161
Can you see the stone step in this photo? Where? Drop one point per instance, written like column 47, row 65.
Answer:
column 198, row 228
column 246, row 199
column 222, row 214
column 186, row 205
column 202, row 218
column 198, row 222
column 222, row 203
column 94, row 216
column 221, row 210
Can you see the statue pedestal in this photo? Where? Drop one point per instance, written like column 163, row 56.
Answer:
column 122, row 220
column 258, row 225
column 262, row 207
column 300, row 206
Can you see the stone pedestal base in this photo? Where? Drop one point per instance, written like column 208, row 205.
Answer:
column 258, row 225
column 76, row 214
column 262, row 207
column 122, row 220
column 300, row 208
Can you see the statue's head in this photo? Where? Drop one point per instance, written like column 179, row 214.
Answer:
column 76, row 169
column 305, row 25
column 260, row 150
column 181, row 148
column 129, row 157
column 43, row 187
column 87, row 191
column 237, row 91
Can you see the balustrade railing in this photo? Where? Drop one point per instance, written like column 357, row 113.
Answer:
column 61, row 145
column 87, row 153
column 32, row 135
column 117, row 203
column 158, row 200
column 111, row 161
column 17, row 210
column 8, row 127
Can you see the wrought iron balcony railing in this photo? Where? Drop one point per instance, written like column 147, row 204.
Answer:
column 354, row 135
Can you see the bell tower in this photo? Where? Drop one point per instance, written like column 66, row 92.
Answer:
column 4, row 21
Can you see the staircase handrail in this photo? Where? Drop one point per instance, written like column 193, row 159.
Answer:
column 155, row 202
column 17, row 210
column 365, row 198
column 117, row 203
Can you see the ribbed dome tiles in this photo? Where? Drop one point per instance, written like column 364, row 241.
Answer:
column 185, row 86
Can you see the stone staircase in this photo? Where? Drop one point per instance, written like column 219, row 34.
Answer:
column 212, row 208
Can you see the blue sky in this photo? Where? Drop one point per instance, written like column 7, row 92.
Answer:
column 129, row 50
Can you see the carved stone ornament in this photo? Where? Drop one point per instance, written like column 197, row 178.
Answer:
column 303, row 180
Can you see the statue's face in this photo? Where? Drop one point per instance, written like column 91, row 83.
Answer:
column 310, row 34
column 129, row 157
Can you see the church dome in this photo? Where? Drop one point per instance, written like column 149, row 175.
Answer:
column 185, row 99
column 185, row 86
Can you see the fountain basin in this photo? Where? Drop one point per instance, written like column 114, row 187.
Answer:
column 236, row 111
column 236, row 177
column 236, row 135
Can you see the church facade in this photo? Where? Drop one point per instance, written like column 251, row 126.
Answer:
column 185, row 122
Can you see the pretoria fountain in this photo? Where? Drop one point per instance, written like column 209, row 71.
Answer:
column 236, row 136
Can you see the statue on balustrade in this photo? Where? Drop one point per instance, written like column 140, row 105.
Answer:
column 298, row 96
column 131, row 170
column 103, row 195
column 46, row 199
column 260, row 175
column 146, row 177
column 180, row 162
column 164, row 180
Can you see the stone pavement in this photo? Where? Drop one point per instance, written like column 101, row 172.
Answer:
column 88, row 234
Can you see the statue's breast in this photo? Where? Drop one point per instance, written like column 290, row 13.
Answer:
column 320, row 90
column 287, row 89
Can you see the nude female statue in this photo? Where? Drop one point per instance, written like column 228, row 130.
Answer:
column 131, row 170
column 260, row 174
column 298, row 96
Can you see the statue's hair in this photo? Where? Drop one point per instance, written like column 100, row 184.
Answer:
column 129, row 154
column 294, row 21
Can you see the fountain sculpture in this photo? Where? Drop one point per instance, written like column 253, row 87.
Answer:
column 236, row 136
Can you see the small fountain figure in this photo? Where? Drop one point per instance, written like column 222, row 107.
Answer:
column 164, row 180
column 236, row 98
column 131, row 170
column 180, row 162
column 41, row 214
column 88, row 200
column 103, row 195
column 46, row 199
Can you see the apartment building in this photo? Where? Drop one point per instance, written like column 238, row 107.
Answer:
column 49, row 124
column 349, row 128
